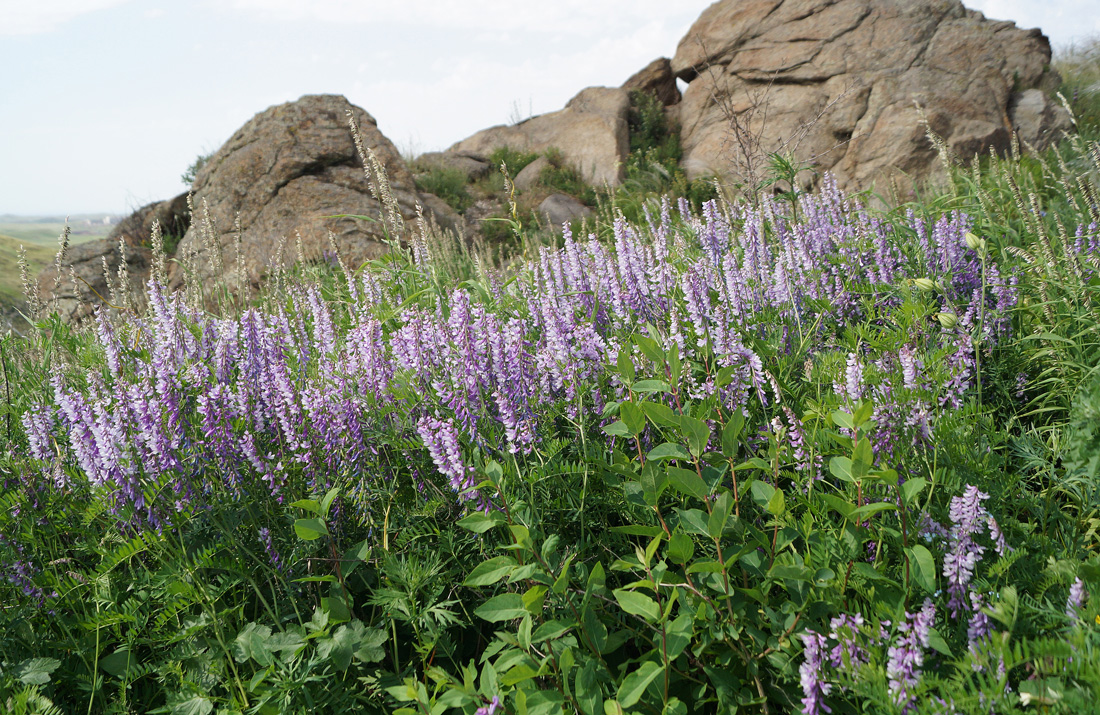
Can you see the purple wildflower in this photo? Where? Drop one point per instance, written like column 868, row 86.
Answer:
column 1076, row 600
column 441, row 439
column 978, row 627
column 814, row 688
column 274, row 558
column 968, row 516
column 491, row 708
column 905, row 657
column 847, row 653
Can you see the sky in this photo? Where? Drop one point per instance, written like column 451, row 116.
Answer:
column 105, row 103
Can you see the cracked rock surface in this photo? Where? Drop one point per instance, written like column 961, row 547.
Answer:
column 293, row 169
column 838, row 84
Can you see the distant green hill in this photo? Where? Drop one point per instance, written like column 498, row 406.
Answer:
column 11, row 288
column 46, row 233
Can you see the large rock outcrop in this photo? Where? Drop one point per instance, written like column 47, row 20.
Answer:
column 843, row 83
column 591, row 132
column 293, row 170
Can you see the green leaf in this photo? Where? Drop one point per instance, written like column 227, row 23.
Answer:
column 625, row 366
column 868, row 510
column 355, row 556
column 196, row 705
column 489, row 572
column 841, row 468
column 337, row 608
column 311, row 505
column 693, row 521
column 843, row 419
column 731, row 434
column 675, row 706
column 719, row 515
column 118, row 662
column 912, row 489
column 678, row 635
column 638, row 604
column 505, row 607
column 660, row 415
column 617, row 429
column 633, row 417
column 762, row 493
column 310, row 529
column 838, row 505
column 922, row 567
column 680, row 548
column 938, row 643
column 326, row 503
column 650, row 386
column 636, row 530
column 862, row 413
column 687, row 482
column 668, row 450
column 551, row 630
column 36, row 671
column 650, row 348
column 634, row 685
column 697, row 433
column 587, row 688
column 777, row 504
column 480, row 522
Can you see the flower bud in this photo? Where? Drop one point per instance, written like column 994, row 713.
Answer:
column 975, row 243
column 947, row 320
column 924, row 285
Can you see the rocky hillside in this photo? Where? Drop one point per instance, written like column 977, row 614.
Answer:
column 840, row 86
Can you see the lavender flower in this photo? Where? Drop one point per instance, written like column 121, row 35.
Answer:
column 814, row 687
column 968, row 516
column 441, row 439
column 978, row 628
column 273, row 556
column 1076, row 600
column 905, row 657
column 491, row 708
column 847, row 653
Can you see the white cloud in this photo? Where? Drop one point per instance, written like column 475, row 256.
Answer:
column 31, row 17
column 1061, row 20
column 575, row 17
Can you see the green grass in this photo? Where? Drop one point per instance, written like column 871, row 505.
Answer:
column 46, row 234
column 11, row 287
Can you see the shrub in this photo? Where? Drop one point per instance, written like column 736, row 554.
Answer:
column 447, row 184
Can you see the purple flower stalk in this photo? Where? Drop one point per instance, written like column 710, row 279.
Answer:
column 1076, row 600
column 905, row 657
column 847, row 653
column 273, row 555
column 814, row 687
column 968, row 516
column 441, row 439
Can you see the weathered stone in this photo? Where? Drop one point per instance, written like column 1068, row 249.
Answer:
column 527, row 178
column 173, row 216
column 591, row 132
column 657, row 79
column 843, row 85
column 294, row 169
column 473, row 168
column 560, row 208
column 1038, row 121
column 75, row 301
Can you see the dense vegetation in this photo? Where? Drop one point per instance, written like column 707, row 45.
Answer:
column 771, row 456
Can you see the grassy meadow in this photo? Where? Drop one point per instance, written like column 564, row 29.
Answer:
column 752, row 452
